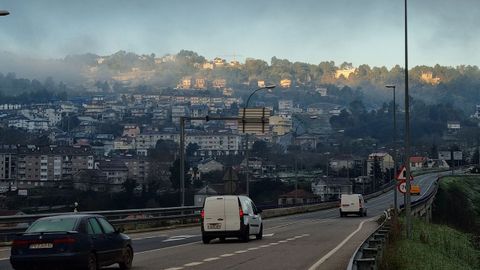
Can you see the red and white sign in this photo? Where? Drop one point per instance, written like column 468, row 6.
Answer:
column 402, row 187
column 402, row 174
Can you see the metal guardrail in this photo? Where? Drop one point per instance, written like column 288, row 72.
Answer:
column 370, row 251
column 9, row 225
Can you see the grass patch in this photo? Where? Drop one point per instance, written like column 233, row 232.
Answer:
column 432, row 246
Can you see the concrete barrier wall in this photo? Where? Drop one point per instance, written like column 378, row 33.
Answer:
column 269, row 213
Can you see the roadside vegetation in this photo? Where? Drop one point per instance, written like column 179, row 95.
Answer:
column 432, row 246
column 452, row 241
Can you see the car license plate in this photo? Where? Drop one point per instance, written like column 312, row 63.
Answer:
column 214, row 226
column 40, row 246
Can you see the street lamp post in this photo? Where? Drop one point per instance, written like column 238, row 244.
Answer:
column 394, row 144
column 408, row 209
column 268, row 87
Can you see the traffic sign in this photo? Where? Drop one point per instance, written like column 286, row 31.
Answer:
column 402, row 174
column 254, row 120
column 414, row 189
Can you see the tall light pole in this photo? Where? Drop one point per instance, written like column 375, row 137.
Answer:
column 394, row 144
column 4, row 13
column 408, row 208
column 268, row 87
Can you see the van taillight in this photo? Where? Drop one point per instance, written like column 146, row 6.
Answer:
column 67, row 240
column 202, row 214
column 241, row 213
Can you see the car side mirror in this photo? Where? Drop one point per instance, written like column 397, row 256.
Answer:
column 120, row 230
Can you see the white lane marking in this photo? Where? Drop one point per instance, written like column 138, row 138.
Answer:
column 165, row 248
column 274, row 244
column 253, row 248
column 292, row 238
column 5, row 249
column 179, row 237
column 264, row 246
column 226, row 255
column 211, row 259
column 4, row 259
column 268, row 235
column 192, row 264
column 282, row 241
column 174, row 268
column 329, row 254
column 240, row 251
column 148, row 237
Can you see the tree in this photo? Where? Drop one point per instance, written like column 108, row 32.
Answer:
column 376, row 172
column 191, row 149
column 260, row 148
column 129, row 186
column 175, row 175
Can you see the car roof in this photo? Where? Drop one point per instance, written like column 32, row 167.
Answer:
column 78, row 216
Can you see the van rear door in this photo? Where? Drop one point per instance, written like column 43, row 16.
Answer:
column 214, row 211
column 232, row 213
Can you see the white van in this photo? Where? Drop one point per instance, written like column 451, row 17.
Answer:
column 230, row 216
column 352, row 204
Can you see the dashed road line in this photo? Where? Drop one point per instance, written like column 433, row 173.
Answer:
column 238, row 252
column 226, row 255
column 192, row 264
column 211, row 259
column 174, row 268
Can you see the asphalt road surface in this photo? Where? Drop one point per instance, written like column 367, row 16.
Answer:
column 316, row 240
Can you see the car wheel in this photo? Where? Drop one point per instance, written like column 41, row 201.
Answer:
column 92, row 262
column 246, row 234
column 127, row 259
column 342, row 214
column 259, row 236
column 205, row 239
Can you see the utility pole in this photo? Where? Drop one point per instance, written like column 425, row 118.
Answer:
column 182, row 160
column 394, row 146
column 408, row 209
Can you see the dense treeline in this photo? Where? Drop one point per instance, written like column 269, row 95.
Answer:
column 24, row 91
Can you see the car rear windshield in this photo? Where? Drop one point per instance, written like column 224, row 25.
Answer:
column 61, row 224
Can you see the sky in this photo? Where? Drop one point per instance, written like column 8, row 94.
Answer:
column 358, row 31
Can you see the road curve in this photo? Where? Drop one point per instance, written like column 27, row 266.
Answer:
column 321, row 239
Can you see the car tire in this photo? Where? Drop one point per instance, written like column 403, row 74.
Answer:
column 92, row 263
column 246, row 234
column 127, row 259
column 205, row 239
column 259, row 236
column 342, row 214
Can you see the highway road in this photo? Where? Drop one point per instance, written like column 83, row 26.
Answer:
column 316, row 240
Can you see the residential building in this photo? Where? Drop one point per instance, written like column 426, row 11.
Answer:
column 116, row 173
column 344, row 72
column 417, row 162
column 330, row 189
column 385, row 161
column 209, row 165
column 179, row 111
column 280, row 124
column 39, row 165
column 131, row 130
column 138, row 168
column 296, row 197
column 219, row 83
column 200, row 83
column 8, row 165
column 185, row 83
column 285, row 83
column 219, row 62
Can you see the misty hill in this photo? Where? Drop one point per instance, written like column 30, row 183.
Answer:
column 458, row 85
